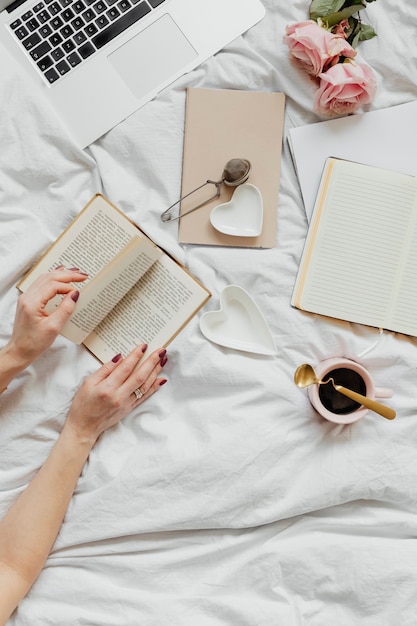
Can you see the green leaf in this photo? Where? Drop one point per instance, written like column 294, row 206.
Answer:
column 332, row 12
column 366, row 32
column 344, row 14
column 320, row 8
column 355, row 39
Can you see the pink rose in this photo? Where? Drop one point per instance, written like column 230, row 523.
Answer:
column 344, row 88
column 340, row 28
column 315, row 49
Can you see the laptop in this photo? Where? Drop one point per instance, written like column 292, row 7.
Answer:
column 98, row 61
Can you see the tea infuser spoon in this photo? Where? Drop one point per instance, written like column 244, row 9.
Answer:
column 236, row 172
column 305, row 376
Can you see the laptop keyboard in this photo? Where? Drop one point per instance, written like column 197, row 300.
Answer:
column 60, row 34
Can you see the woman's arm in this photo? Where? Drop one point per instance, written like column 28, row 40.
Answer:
column 29, row 529
column 34, row 329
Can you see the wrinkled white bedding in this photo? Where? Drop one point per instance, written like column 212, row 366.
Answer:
column 225, row 499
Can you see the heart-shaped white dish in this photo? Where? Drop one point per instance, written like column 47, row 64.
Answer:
column 238, row 324
column 242, row 216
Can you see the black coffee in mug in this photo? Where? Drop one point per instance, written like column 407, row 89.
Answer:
column 335, row 401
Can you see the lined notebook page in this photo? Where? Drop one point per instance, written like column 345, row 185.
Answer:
column 360, row 258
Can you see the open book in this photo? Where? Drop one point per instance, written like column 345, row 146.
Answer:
column 135, row 292
column 360, row 257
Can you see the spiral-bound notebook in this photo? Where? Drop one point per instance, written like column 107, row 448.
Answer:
column 222, row 124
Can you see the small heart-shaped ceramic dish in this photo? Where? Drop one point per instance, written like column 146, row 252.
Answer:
column 238, row 324
column 242, row 216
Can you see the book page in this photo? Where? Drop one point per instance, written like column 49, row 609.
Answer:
column 404, row 305
column 105, row 290
column 153, row 312
column 103, row 242
column 92, row 240
column 357, row 245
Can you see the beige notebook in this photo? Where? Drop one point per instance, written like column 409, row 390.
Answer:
column 222, row 124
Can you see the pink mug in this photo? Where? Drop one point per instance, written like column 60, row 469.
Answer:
column 331, row 404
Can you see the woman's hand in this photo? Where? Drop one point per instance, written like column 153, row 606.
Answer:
column 108, row 395
column 29, row 528
column 34, row 329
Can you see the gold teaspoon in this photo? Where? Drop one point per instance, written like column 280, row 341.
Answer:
column 305, row 376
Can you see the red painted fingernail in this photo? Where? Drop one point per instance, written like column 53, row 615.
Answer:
column 144, row 347
column 163, row 361
column 75, row 295
column 163, row 381
column 116, row 358
column 162, row 353
column 73, row 269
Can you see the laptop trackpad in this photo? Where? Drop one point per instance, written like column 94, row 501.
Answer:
column 153, row 56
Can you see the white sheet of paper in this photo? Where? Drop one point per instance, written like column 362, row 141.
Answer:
column 383, row 138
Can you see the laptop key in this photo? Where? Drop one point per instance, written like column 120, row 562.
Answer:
column 100, row 6
column 78, row 6
column 89, row 15
column 67, row 15
column 113, row 13
column 77, row 23
column 57, row 54
column 63, row 67
column 45, row 63
column 79, row 38
column 54, row 8
column 124, row 5
column 66, row 32
column 43, row 16
column 57, row 22
column 90, row 30
column 31, row 41
column 68, row 45
column 55, row 39
column 32, row 24
column 102, row 21
column 21, row 32
column 73, row 59
column 126, row 20
column 51, row 75
column 45, row 30
column 155, row 3
column 40, row 51
column 86, row 50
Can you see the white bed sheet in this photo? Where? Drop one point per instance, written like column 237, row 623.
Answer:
column 224, row 499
